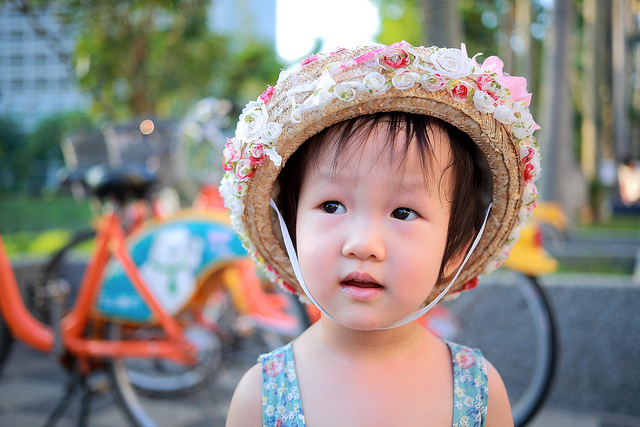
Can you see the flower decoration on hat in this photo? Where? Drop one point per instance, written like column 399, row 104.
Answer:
column 380, row 69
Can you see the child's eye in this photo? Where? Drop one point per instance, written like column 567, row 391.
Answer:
column 404, row 214
column 333, row 207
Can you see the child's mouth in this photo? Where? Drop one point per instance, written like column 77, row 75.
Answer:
column 361, row 289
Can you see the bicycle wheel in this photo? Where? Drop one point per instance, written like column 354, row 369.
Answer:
column 158, row 393
column 5, row 343
column 510, row 320
column 69, row 264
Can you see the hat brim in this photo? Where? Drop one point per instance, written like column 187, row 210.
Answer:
column 492, row 137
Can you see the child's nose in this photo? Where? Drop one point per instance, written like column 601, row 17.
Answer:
column 364, row 241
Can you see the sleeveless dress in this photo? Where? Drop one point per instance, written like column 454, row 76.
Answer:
column 281, row 405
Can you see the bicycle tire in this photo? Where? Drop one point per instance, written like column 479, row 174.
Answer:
column 199, row 394
column 6, row 343
column 512, row 323
column 65, row 264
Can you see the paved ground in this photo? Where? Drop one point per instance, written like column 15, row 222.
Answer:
column 596, row 382
column 33, row 384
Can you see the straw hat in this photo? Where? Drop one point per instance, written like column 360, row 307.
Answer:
column 481, row 100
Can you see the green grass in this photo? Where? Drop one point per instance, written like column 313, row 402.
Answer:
column 615, row 222
column 19, row 214
column 38, row 227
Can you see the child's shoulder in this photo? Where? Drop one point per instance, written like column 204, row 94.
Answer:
column 246, row 403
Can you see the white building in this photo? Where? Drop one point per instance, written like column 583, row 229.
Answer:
column 37, row 79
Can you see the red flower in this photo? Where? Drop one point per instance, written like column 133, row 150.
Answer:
column 460, row 92
column 528, row 167
column 470, row 284
column 274, row 367
column 465, row 361
column 528, row 172
column 484, row 81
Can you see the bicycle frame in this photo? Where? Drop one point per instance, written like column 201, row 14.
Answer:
column 110, row 241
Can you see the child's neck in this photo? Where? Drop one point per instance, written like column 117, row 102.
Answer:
column 379, row 344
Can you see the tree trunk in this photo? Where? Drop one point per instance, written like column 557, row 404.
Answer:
column 442, row 23
column 561, row 179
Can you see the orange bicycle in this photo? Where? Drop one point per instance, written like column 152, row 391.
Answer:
column 157, row 335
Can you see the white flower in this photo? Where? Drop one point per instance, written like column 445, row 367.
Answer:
column 345, row 91
column 274, row 156
column 236, row 208
column 375, row 82
column 404, row 80
column 451, row 63
column 271, row 131
column 433, row 82
column 252, row 121
column 520, row 130
column 529, row 195
column 521, row 110
column 483, row 102
column 226, row 188
column 504, row 114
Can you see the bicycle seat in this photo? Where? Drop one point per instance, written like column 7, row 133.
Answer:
column 129, row 181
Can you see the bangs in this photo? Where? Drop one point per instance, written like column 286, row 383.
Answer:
column 399, row 130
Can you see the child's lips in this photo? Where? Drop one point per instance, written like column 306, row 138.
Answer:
column 361, row 286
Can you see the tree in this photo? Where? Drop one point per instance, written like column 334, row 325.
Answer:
column 11, row 139
column 442, row 22
column 137, row 57
column 42, row 148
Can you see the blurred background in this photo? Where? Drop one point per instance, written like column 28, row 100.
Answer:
column 92, row 81
column 83, row 72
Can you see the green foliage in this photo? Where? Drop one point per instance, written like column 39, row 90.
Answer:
column 25, row 214
column 246, row 73
column 11, row 140
column 143, row 57
column 400, row 20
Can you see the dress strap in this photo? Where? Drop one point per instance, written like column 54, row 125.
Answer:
column 281, row 404
column 470, row 386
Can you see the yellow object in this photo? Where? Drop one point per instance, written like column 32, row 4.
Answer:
column 528, row 256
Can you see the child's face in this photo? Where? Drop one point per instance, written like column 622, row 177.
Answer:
column 371, row 233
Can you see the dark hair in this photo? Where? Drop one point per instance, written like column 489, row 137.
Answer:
column 470, row 174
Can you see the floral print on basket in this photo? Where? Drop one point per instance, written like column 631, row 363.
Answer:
column 282, row 405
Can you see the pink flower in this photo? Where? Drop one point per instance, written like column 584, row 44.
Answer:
column 267, row 94
column 460, row 92
column 244, row 169
column 256, row 154
column 433, row 82
column 309, row 60
column 395, row 57
column 484, row 81
column 369, row 56
column 516, row 85
column 229, row 155
column 527, row 158
column 518, row 88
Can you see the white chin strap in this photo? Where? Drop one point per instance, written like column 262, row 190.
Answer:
column 410, row 318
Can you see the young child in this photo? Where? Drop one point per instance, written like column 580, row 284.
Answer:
column 373, row 182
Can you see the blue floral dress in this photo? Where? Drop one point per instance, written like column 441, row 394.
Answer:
column 281, row 405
